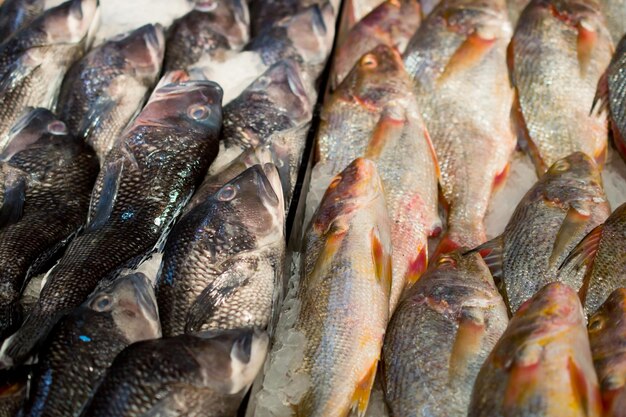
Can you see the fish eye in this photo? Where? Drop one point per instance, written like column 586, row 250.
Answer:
column 369, row 61
column 102, row 303
column 596, row 323
column 57, row 128
column 199, row 112
column 227, row 193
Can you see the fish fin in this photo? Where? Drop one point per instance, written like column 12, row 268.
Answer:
column 587, row 40
column 582, row 256
column 618, row 140
column 468, row 341
column 579, row 385
column 388, row 128
column 492, row 253
column 97, row 112
column 510, row 61
column 575, row 222
column 19, row 70
column 433, row 153
column 361, row 395
column 445, row 245
column 417, row 267
column 467, row 55
column 22, row 344
column 500, row 178
column 382, row 260
column 601, row 99
column 106, row 200
column 14, row 196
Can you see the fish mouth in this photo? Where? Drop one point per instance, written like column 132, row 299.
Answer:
column 294, row 81
column 268, row 183
column 144, row 294
column 145, row 48
column 73, row 21
column 247, row 357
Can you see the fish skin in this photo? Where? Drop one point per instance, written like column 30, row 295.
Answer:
column 166, row 150
column 35, row 59
column 83, row 345
column 542, row 364
column 46, row 176
column 15, row 14
column 344, row 294
column 392, row 23
column 554, row 215
column 457, row 59
column 441, row 333
column 13, row 391
column 103, row 91
column 223, row 261
column 607, row 337
column 598, row 258
column 266, row 13
column 615, row 13
column 183, row 375
column 211, row 28
column 558, row 52
column 353, row 11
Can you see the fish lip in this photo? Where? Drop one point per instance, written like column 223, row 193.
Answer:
column 265, row 176
column 318, row 20
column 294, row 81
column 145, row 295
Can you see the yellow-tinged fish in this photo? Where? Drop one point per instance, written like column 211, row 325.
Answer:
column 457, row 60
column 558, row 53
column 542, row 365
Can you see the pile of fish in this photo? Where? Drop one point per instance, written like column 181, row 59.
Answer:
column 185, row 148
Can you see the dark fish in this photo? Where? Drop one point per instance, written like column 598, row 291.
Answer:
column 83, row 345
column 15, row 14
column 599, row 259
column 266, row 13
column 181, row 376
column 607, row 337
column 145, row 181
column 34, row 60
column 439, row 337
column 542, row 365
column 13, row 391
column 46, row 177
column 212, row 27
column 103, row 91
column 223, row 261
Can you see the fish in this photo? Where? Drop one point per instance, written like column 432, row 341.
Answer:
column 266, row 13
column 142, row 187
column 353, row 11
column 552, row 217
column 182, row 375
column 34, row 60
column 606, row 337
column 392, row 23
column 210, row 29
column 105, row 90
column 516, row 7
column 611, row 97
column 542, row 364
column 223, row 261
column 13, row 391
column 343, row 297
column 598, row 258
column 46, row 177
column 615, row 14
column 15, row 14
column 457, row 61
column 558, row 53
column 439, row 337
column 83, row 345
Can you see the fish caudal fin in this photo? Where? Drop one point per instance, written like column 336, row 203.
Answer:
column 361, row 396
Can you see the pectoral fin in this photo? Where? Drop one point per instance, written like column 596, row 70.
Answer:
column 573, row 225
column 468, row 341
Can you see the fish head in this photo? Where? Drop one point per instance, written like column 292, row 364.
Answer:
column 34, row 124
column 71, row 22
column 584, row 14
column 572, row 176
column 232, row 16
column 131, row 304
column 312, row 32
column 143, row 50
column 486, row 20
column 554, row 306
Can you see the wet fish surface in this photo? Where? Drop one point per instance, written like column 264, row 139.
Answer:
column 83, row 345
column 439, row 337
column 103, row 91
column 554, row 215
column 542, row 364
column 15, row 14
column 615, row 13
column 145, row 181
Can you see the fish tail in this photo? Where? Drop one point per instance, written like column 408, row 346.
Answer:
column 23, row 344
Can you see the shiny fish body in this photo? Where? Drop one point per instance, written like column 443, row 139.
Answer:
column 181, row 376
column 223, row 262
column 554, row 215
column 607, row 337
column 353, row 11
column 15, row 14
column 84, row 344
column 558, row 52
column 266, row 13
column 34, row 60
column 209, row 30
column 439, row 337
column 103, row 91
column 615, row 13
column 542, row 365
column 457, row 61
column 145, row 181
column 46, row 177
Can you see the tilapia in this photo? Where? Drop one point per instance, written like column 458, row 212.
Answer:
column 181, row 376
column 46, row 177
column 393, row 23
column 343, row 298
column 457, row 60
column 145, row 181
column 15, row 14
column 35, row 59
column 615, row 13
column 611, row 96
column 103, row 91
column 13, row 391
column 352, row 12
column 607, row 337
column 558, row 52
column 599, row 258
column 83, row 345
column 223, row 261
column 210, row 29
column 542, row 365
column 439, row 337
column 266, row 13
